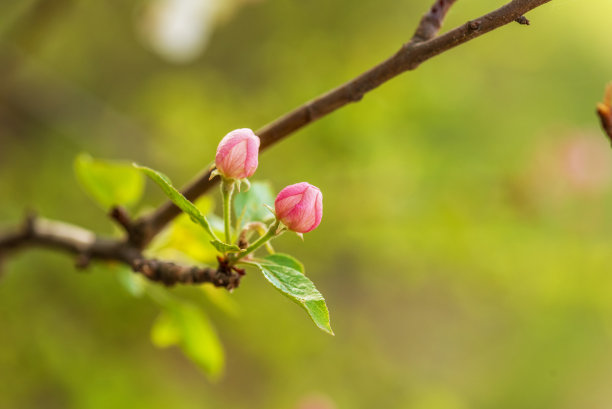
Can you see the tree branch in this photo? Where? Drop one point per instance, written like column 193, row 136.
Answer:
column 87, row 246
column 409, row 57
column 39, row 232
column 431, row 22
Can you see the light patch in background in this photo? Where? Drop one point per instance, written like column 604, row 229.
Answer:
column 579, row 163
column 316, row 401
column 180, row 30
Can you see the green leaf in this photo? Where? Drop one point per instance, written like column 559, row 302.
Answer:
column 287, row 261
column 177, row 198
column 165, row 332
column 187, row 326
column 109, row 183
column 297, row 287
column 225, row 248
column 249, row 205
column 186, row 241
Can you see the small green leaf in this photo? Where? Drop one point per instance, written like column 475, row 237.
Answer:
column 177, row 198
column 286, row 260
column 109, row 183
column 297, row 287
column 165, row 332
column 225, row 248
column 187, row 326
column 249, row 205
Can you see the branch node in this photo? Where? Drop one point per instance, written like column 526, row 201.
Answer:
column 82, row 261
column 522, row 20
column 474, row 25
column 141, row 232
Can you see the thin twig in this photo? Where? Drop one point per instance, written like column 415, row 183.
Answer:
column 122, row 217
column 409, row 57
column 431, row 22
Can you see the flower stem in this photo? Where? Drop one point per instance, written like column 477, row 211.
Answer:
column 227, row 189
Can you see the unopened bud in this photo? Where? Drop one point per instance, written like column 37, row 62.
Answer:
column 299, row 207
column 237, row 154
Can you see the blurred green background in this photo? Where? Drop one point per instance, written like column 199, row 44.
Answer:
column 466, row 246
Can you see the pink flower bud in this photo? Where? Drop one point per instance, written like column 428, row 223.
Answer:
column 299, row 207
column 237, row 154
